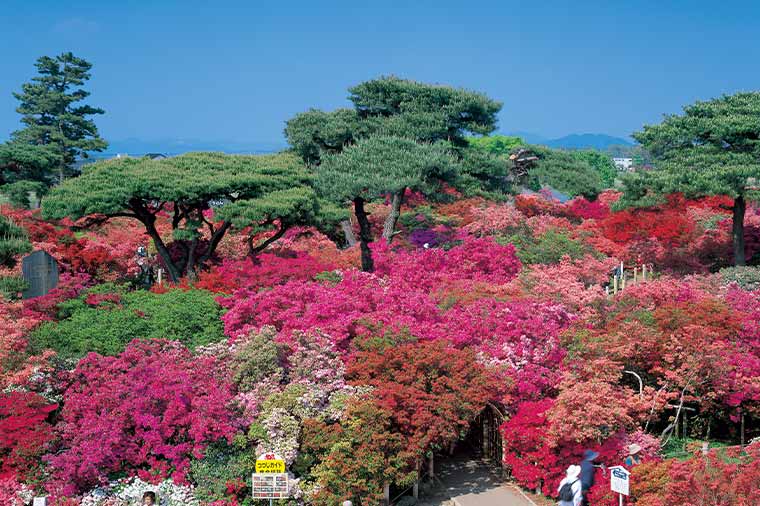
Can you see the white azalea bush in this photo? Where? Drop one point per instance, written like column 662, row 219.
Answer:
column 130, row 493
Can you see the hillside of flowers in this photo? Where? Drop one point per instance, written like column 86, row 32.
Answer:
column 356, row 379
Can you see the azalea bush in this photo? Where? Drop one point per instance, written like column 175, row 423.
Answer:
column 147, row 410
column 24, row 434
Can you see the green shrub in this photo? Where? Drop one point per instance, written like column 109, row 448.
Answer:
column 13, row 242
column 105, row 319
column 224, row 464
column 548, row 248
column 11, row 286
column 746, row 277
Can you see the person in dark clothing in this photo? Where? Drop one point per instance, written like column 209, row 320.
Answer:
column 587, row 473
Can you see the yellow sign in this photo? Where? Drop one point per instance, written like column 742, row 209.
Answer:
column 270, row 463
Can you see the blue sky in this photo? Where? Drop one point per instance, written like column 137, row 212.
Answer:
column 236, row 70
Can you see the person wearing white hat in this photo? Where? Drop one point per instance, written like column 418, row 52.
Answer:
column 633, row 457
column 569, row 490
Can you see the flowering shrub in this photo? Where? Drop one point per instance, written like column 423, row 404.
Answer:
column 586, row 210
column 147, row 410
column 24, row 433
column 13, row 493
column 431, row 389
column 720, row 477
column 480, row 259
column 356, row 456
column 265, row 270
column 489, row 220
column 129, row 492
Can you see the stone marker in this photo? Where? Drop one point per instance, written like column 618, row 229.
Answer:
column 40, row 271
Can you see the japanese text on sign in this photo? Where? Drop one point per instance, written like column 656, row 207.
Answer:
column 270, row 463
column 619, row 480
column 270, row 486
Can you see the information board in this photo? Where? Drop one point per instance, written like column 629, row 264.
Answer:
column 270, row 486
column 620, row 480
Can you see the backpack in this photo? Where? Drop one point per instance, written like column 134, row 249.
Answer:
column 566, row 492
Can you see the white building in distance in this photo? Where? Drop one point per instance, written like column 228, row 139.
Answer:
column 623, row 164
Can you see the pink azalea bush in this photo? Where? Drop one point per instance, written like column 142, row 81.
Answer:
column 148, row 410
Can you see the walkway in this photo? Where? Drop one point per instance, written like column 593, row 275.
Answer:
column 468, row 482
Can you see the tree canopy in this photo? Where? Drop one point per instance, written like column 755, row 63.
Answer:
column 497, row 144
column 264, row 191
column 379, row 166
column 564, row 172
column 713, row 148
column 51, row 110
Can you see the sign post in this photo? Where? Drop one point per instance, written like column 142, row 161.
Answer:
column 620, row 481
column 270, row 481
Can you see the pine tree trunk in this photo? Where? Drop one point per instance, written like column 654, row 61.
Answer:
column 390, row 222
column 365, row 235
column 348, row 232
column 171, row 268
column 740, row 207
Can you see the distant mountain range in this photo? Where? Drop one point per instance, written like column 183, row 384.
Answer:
column 575, row 141
column 135, row 146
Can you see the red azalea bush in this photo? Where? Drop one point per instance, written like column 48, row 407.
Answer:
column 24, row 433
column 537, row 205
column 148, row 410
column 432, row 390
column 723, row 477
column 583, row 209
column 265, row 270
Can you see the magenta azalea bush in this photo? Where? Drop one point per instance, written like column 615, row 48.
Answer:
column 148, row 411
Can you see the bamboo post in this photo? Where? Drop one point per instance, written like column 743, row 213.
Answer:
column 644, row 272
column 614, row 284
column 160, row 277
column 635, row 272
column 622, row 281
column 387, row 494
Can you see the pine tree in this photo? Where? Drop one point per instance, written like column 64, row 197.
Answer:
column 54, row 116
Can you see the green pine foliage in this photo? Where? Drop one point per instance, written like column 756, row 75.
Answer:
column 602, row 164
column 377, row 166
column 562, row 171
column 53, row 115
column 501, row 145
column 13, row 242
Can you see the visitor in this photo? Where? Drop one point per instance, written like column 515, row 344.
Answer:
column 633, row 458
column 587, row 473
column 570, row 490
column 149, row 499
column 347, row 503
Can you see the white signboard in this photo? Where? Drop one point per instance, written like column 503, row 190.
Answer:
column 270, row 486
column 620, row 480
column 40, row 501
